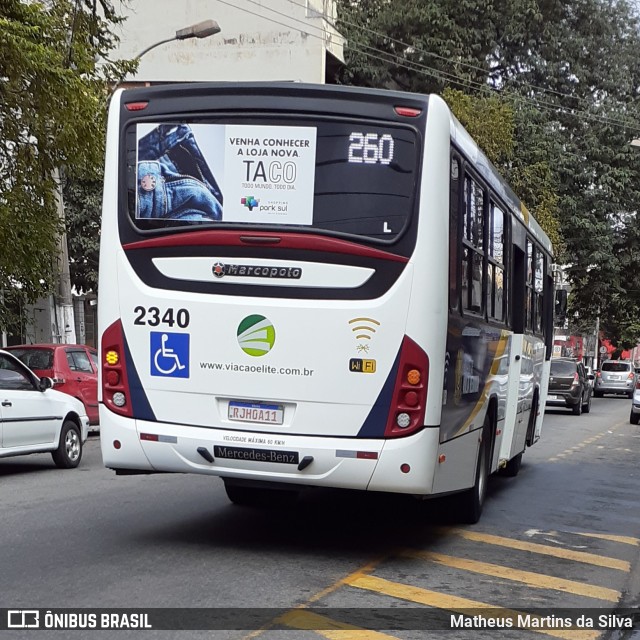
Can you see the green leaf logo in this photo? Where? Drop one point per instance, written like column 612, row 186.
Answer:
column 256, row 335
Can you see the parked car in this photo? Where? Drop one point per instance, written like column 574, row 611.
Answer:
column 615, row 376
column 73, row 368
column 634, row 418
column 569, row 386
column 36, row 418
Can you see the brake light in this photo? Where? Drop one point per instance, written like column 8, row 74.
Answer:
column 409, row 400
column 115, row 385
column 631, row 376
column 135, row 106
column 598, row 374
column 408, row 112
column 576, row 380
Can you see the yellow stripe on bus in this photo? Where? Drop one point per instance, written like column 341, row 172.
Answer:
column 460, row 605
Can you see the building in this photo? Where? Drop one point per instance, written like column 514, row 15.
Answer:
column 280, row 40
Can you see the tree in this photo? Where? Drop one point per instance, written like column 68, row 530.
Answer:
column 52, row 113
column 569, row 72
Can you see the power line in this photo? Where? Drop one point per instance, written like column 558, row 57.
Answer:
column 431, row 71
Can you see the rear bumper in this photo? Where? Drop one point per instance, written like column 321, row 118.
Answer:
column 563, row 398
column 624, row 388
column 351, row 463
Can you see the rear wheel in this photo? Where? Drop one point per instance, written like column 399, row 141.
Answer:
column 577, row 409
column 634, row 418
column 69, row 451
column 470, row 502
column 586, row 408
column 597, row 394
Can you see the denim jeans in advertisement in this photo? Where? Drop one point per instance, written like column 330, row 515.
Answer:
column 174, row 179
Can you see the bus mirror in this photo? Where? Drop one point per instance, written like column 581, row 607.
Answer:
column 561, row 304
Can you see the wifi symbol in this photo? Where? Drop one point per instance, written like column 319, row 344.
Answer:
column 361, row 325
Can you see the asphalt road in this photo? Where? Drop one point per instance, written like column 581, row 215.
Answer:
column 564, row 534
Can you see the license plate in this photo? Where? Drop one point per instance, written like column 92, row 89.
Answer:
column 256, row 412
column 615, row 377
column 552, row 397
column 256, row 455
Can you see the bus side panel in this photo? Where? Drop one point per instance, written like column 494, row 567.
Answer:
column 109, row 239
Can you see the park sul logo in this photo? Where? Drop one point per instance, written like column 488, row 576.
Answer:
column 250, row 202
column 256, row 335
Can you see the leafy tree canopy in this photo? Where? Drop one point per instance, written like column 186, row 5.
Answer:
column 52, row 109
column 569, row 73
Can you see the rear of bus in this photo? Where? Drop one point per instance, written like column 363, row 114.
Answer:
column 256, row 272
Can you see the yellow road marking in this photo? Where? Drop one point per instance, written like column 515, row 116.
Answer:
column 533, row 547
column 457, row 604
column 605, row 536
column 531, row 579
column 332, row 629
column 366, row 568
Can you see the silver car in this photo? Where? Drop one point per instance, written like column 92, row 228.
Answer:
column 615, row 376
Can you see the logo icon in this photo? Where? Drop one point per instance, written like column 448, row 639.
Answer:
column 169, row 354
column 218, row 270
column 364, row 328
column 256, row 335
column 250, row 202
column 23, row 619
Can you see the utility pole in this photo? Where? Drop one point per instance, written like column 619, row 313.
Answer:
column 65, row 318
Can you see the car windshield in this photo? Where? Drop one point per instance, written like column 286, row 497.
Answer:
column 562, row 368
column 616, row 366
column 35, row 358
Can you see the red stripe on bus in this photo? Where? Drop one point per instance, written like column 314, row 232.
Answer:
column 284, row 241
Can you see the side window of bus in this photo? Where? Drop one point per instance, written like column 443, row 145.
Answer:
column 535, row 289
column 528, row 324
column 473, row 246
column 538, row 287
column 454, row 220
column 497, row 283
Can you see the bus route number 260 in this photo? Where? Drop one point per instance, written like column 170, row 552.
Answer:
column 154, row 317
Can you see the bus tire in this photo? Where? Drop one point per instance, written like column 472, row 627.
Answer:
column 257, row 497
column 512, row 467
column 531, row 426
column 69, row 451
column 470, row 502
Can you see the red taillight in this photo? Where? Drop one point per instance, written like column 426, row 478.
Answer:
column 408, row 112
column 598, row 374
column 576, row 380
column 631, row 376
column 408, row 403
column 114, row 372
column 135, row 106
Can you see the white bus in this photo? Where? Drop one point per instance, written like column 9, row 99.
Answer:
column 322, row 286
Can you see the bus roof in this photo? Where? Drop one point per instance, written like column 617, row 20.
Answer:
column 461, row 137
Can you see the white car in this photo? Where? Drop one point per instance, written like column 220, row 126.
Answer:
column 35, row 418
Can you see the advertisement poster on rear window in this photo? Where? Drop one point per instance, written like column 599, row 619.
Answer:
column 228, row 173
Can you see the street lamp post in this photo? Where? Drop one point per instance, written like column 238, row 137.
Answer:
column 202, row 29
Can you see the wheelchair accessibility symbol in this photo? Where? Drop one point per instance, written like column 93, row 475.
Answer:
column 169, row 354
